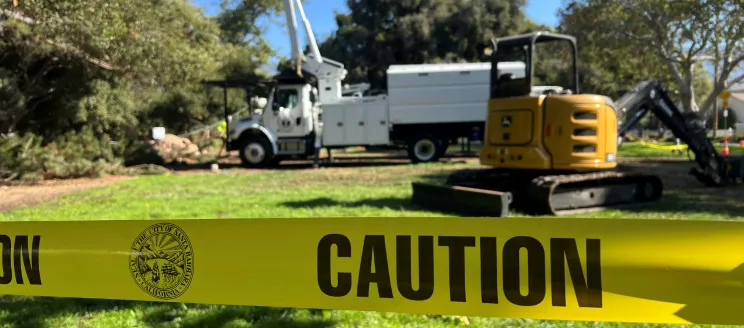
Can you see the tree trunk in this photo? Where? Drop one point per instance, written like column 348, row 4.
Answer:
column 687, row 97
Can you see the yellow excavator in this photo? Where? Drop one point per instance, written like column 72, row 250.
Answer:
column 555, row 154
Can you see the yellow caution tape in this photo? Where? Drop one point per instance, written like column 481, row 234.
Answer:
column 658, row 271
column 655, row 146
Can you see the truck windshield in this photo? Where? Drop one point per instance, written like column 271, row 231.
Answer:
column 286, row 98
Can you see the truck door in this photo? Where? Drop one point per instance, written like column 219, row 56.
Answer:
column 287, row 109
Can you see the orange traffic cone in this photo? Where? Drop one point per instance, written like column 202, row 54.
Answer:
column 725, row 150
column 741, row 142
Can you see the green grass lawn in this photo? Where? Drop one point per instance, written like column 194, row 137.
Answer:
column 366, row 191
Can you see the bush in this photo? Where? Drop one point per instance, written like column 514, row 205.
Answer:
column 72, row 155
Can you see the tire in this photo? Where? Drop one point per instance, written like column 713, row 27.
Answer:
column 424, row 149
column 256, row 152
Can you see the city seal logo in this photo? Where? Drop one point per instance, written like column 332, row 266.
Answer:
column 161, row 261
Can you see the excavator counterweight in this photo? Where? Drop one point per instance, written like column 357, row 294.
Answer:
column 461, row 199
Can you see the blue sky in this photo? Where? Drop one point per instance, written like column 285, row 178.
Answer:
column 321, row 14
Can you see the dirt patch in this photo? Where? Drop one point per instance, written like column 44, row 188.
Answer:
column 675, row 174
column 14, row 196
column 343, row 162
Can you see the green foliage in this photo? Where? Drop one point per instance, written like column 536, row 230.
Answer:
column 71, row 155
column 155, row 42
column 607, row 66
column 111, row 70
column 190, row 107
column 624, row 41
column 377, row 34
column 702, row 83
column 237, row 20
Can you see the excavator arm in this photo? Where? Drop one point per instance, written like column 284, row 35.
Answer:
column 712, row 168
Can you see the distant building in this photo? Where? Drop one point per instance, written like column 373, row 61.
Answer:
column 736, row 102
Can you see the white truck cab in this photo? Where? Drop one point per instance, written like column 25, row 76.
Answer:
column 287, row 126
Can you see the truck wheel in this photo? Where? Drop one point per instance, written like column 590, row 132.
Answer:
column 256, row 153
column 425, row 149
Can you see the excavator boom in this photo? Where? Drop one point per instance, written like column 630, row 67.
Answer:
column 712, row 168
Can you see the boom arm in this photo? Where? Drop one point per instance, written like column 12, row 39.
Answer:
column 294, row 39
column 313, row 62
column 650, row 96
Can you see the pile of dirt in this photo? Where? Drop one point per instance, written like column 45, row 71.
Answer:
column 173, row 148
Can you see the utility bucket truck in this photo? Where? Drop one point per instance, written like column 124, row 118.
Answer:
column 426, row 107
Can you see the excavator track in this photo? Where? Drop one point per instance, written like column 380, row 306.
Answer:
column 494, row 192
column 589, row 192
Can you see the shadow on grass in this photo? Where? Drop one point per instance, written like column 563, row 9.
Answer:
column 698, row 201
column 390, row 202
column 230, row 316
column 32, row 312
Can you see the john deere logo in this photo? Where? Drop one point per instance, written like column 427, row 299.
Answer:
column 506, row 121
column 161, row 261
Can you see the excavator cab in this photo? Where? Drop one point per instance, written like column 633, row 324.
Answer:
column 533, row 128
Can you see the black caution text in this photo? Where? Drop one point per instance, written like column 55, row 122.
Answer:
column 18, row 259
column 374, row 268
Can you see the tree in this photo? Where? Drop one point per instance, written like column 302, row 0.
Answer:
column 156, row 42
column 677, row 35
column 727, row 47
column 116, row 65
column 377, row 34
column 79, row 73
column 238, row 20
column 55, row 51
column 607, row 67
